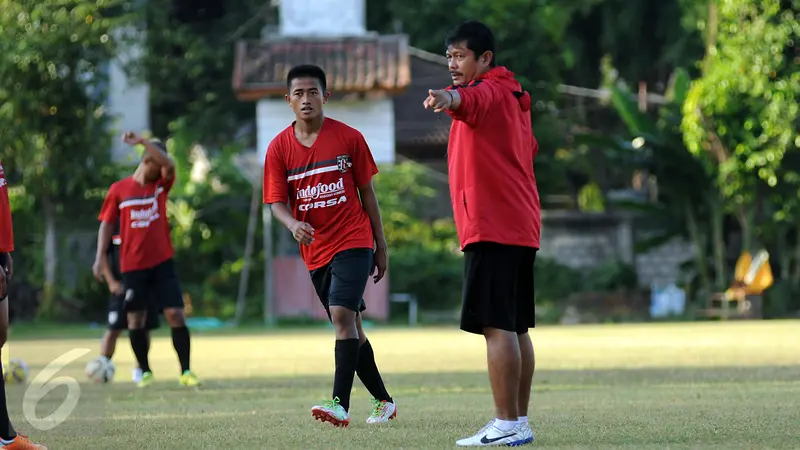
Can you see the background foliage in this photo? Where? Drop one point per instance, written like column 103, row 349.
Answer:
column 721, row 146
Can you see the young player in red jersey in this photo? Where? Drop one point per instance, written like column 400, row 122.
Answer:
column 9, row 439
column 321, row 167
column 139, row 202
column 496, row 210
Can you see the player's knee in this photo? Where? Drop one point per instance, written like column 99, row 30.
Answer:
column 344, row 322
column 136, row 320
column 113, row 335
column 175, row 317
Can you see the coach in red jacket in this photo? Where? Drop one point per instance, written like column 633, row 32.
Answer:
column 496, row 209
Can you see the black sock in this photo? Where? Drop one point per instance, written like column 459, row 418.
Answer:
column 6, row 429
column 368, row 373
column 182, row 343
column 140, row 347
column 346, row 363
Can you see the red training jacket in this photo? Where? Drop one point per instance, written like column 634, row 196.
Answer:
column 490, row 163
column 6, row 228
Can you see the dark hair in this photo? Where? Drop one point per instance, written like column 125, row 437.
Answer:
column 158, row 143
column 477, row 37
column 307, row 71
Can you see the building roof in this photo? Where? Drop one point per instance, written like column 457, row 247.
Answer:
column 414, row 126
column 352, row 64
column 384, row 63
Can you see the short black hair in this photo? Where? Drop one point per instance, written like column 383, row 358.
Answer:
column 158, row 143
column 477, row 37
column 307, row 71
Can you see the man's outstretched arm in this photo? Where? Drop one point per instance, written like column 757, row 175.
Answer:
column 467, row 104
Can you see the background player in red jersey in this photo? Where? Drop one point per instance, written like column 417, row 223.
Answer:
column 9, row 439
column 496, row 210
column 117, row 316
column 139, row 203
column 321, row 167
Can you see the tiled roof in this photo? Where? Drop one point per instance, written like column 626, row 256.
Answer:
column 415, row 126
column 352, row 64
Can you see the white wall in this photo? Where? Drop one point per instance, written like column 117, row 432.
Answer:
column 327, row 18
column 374, row 119
column 128, row 102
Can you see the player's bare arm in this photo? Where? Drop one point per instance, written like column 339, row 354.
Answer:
column 114, row 286
column 101, row 260
column 370, row 202
column 3, row 283
column 160, row 157
column 442, row 99
column 302, row 231
column 9, row 267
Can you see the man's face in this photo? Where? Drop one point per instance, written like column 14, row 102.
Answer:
column 306, row 98
column 464, row 66
column 151, row 170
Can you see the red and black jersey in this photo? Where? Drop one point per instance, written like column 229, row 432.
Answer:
column 321, row 183
column 141, row 212
column 6, row 226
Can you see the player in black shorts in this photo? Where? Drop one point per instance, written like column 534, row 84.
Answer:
column 323, row 169
column 495, row 201
column 117, row 317
column 139, row 204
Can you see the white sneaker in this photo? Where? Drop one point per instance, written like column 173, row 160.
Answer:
column 382, row 411
column 137, row 375
column 526, row 435
column 493, row 436
column 332, row 412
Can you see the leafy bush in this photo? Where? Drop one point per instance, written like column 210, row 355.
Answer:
column 424, row 256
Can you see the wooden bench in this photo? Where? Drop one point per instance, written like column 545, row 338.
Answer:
column 748, row 307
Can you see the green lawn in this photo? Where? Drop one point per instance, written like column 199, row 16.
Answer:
column 709, row 385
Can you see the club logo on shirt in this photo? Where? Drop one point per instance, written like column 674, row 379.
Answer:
column 321, row 195
column 343, row 162
column 142, row 218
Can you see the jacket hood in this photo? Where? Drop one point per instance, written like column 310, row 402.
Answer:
column 505, row 78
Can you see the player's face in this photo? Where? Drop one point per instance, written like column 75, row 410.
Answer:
column 306, row 98
column 152, row 171
column 464, row 65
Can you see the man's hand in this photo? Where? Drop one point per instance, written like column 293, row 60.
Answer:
column 380, row 262
column 98, row 267
column 9, row 267
column 131, row 138
column 439, row 100
column 302, row 232
column 3, row 283
column 115, row 287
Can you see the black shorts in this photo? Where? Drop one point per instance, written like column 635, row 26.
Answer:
column 154, row 287
column 118, row 319
column 342, row 281
column 498, row 288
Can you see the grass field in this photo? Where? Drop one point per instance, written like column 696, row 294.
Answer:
column 709, row 385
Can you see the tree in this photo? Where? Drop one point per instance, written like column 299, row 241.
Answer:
column 742, row 114
column 53, row 129
column 188, row 62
